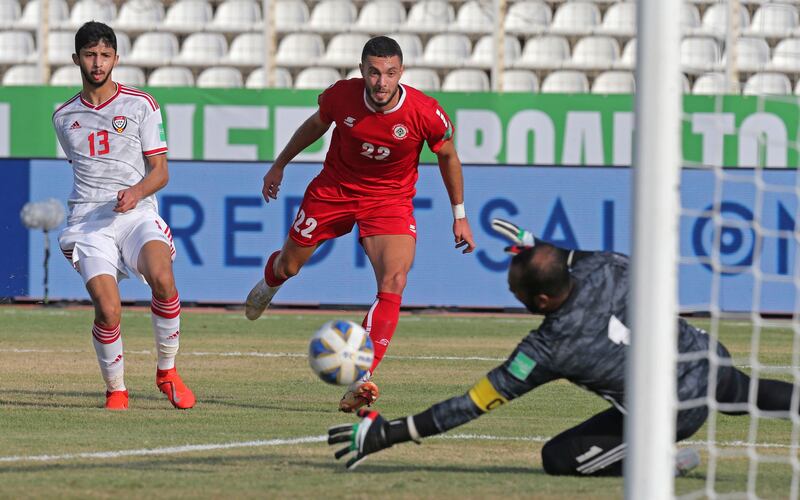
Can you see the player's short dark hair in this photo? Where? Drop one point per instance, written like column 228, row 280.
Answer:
column 543, row 270
column 92, row 33
column 381, row 46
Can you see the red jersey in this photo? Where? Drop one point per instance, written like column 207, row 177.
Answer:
column 376, row 153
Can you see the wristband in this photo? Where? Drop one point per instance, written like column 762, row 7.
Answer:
column 459, row 212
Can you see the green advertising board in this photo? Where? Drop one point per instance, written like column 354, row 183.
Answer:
column 542, row 129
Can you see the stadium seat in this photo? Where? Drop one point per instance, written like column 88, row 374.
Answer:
column 123, row 45
column 129, row 75
column 627, row 60
column 466, row 80
column 16, row 47
column 690, row 18
column 10, row 12
column 153, row 50
column 29, row 20
column 290, row 16
column 104, row 11
column 715, row 20
column 429, row 16
column 23, row 74
column 344, row 50
column 484, row 54
column 220, row 77
column 67, row 76
column 797, row 88
column 519, row 80
column 529, row 17
column 421, row 78
column 594, row 52
column 316, row 78
column 187, row 16
column 246, row 50
column 774, row 20
column 202, row 49
column 171, row 76
column 380, row 16
column 544, row 52
column 619, row 20
column 447, row 50
column 353, row 73
column 699, row 55
column 139, row 15
column 613, row 82
column 60, row 47
column 299, row 49
column 256, row 80
column 236, row 16
column 752, row 54
column 710, row 84
column 332, row 16
column 767, row 84
column 786, row 56
column 474, row 17
column 411, row 45
column 575, row 18
column 566, row 82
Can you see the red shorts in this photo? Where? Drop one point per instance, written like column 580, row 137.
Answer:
column 327, row 212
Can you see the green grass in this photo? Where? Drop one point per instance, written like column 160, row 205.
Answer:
column 51, row 404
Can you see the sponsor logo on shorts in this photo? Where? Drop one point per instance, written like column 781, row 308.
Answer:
column 412, row 228
column 350, row 121
column 400, row 131
column 119, row 122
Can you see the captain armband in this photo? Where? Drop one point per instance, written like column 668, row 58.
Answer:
column 485, row 396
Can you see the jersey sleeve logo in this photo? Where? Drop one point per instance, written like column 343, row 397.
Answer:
column 400, row 131
column 521, row 367
column 119, row 123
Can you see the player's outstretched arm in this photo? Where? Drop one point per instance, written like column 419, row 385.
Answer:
column 450, row 168
column 155, row 179
column 308, row 133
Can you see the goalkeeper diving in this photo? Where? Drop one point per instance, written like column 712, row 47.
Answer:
column 583, row 338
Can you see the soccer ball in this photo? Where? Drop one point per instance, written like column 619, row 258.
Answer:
column 340, row 352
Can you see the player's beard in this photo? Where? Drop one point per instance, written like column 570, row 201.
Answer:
column 96, row 84
column 387, row 101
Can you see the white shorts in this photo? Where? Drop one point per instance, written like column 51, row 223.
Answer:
column 112, row 245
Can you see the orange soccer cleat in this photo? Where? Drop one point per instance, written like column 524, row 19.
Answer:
column 117, row 400
column 170, row 383
column 365, row 393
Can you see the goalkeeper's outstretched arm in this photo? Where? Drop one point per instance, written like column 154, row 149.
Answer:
column 521, row 239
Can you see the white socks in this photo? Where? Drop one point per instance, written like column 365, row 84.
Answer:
column 108, row 347
column 166, row 316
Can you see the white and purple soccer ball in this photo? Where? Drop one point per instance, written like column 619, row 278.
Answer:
column 340, row 352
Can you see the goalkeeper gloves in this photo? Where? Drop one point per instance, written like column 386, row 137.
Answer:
column 520, row 238
column 372, row 434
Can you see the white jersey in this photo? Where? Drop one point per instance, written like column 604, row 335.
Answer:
column 107, row 145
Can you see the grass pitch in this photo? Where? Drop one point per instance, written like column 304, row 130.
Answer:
column 257, row 429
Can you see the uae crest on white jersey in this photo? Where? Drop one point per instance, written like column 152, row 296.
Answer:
column 119, row 123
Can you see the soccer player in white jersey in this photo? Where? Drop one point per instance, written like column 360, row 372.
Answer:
column 114, row 138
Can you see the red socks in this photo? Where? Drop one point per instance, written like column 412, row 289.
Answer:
column 269, row 272
column 380, row 323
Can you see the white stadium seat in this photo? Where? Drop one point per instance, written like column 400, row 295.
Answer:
column 613, row 82
column 620, row 19
column 529, row 17
column 594, row 52
column 466, row 80
column 66, row 76
column 234, row 16
column 332, row 16
column 25, row 74
column 752, row 54
column 344, row 50
column 715, row 19
column 797, row 88
column 699, row 55
column 10, row 12
column 353, row 73
column 690, row 18
column 566, row 82
column 627, row 60
column 786, row 55
column 202, row 49
column 220, row 77
column 129, row 75
column 60, row 47
column 247, row 49
column 767, row 84
column 256, row 80
column 29, row 20
column 16, row 47
column 474, row 17
column 380, row 16
column 575, row 18
column 411, row 45
column 429, row 16
column 299, row 49
column 774, row 20
column 484, row 54
column 520, row 80
column 171, row 76
column 123, row 45
column 710, row 84
column 290, row 15
column 421, row 78
column 544, row 52
column 187, row 16
column 316, row 78
column 139, row 15
column 447, row 50
column 153, row 50
column 104, row 11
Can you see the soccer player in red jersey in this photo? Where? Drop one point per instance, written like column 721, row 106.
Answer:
column 368, row 178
